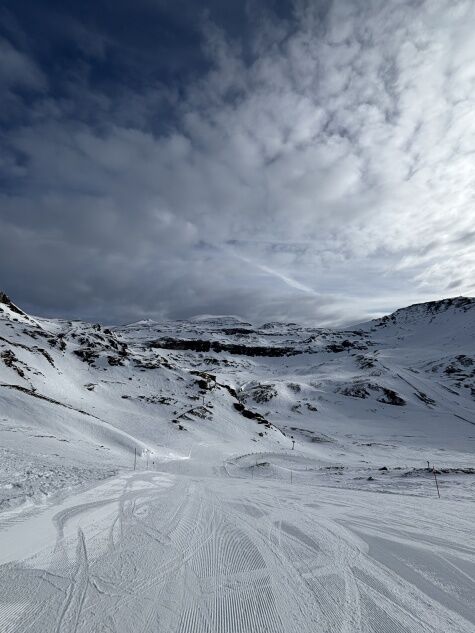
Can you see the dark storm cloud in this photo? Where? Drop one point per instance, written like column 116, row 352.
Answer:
column 303, row 161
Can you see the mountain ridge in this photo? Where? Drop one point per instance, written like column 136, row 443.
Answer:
column 433, row 307
column 88, row 397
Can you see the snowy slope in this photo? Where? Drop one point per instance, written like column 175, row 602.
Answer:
column 449, row 322
column 82, row 394
column 264, row 456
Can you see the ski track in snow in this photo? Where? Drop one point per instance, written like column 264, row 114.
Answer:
column 155, row 551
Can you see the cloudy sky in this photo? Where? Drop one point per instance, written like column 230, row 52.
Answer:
column 310, row 161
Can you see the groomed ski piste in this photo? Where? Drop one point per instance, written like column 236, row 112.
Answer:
column 212, row 475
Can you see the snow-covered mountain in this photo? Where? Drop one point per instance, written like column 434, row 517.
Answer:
column 449, row 321
column 212, row 475
column 82, row 400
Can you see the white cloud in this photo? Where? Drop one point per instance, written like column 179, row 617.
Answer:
column 352, row 135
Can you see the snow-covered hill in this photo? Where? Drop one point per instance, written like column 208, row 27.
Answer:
column 449, row 321
column 245, row 475
column 82, row 400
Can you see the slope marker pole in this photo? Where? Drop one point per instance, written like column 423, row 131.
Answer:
column 135, row 458
column 436, row 482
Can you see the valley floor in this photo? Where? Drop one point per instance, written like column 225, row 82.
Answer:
column 235, row 548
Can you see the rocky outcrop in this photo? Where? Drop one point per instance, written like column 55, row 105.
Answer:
column 363, row 389
column 251, row 415
column 199, row 345
column 5, row 299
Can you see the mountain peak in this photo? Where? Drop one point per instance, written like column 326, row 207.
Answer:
column 6, row 301
column 429, row 308
column 441, row 322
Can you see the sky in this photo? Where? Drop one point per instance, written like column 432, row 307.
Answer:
column 273, row 159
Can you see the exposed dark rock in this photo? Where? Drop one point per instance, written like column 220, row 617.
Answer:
column 295, row 387
column 204, row 374
column 207, row 382
column 465, row 361
column 355, row 391
column 262, row 393
column 11, row 361
column 251, row 415
column 425, row 398
column 157, row 400
column 365, row 362
column 87, row 355
column 181, row 344
column 320, row 439
column 115, row 361
column 198, row 345
column 345, row 346
column 335, row 348
column 47, row 355
column 391, row 397
column 229, row 389
column 5, row 299
column 237, row 330
column 363, row 390
column 439, row 471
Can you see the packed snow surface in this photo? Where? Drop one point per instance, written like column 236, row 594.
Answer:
column 212, row 475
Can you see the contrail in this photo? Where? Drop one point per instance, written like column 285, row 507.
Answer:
column 292, row 283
